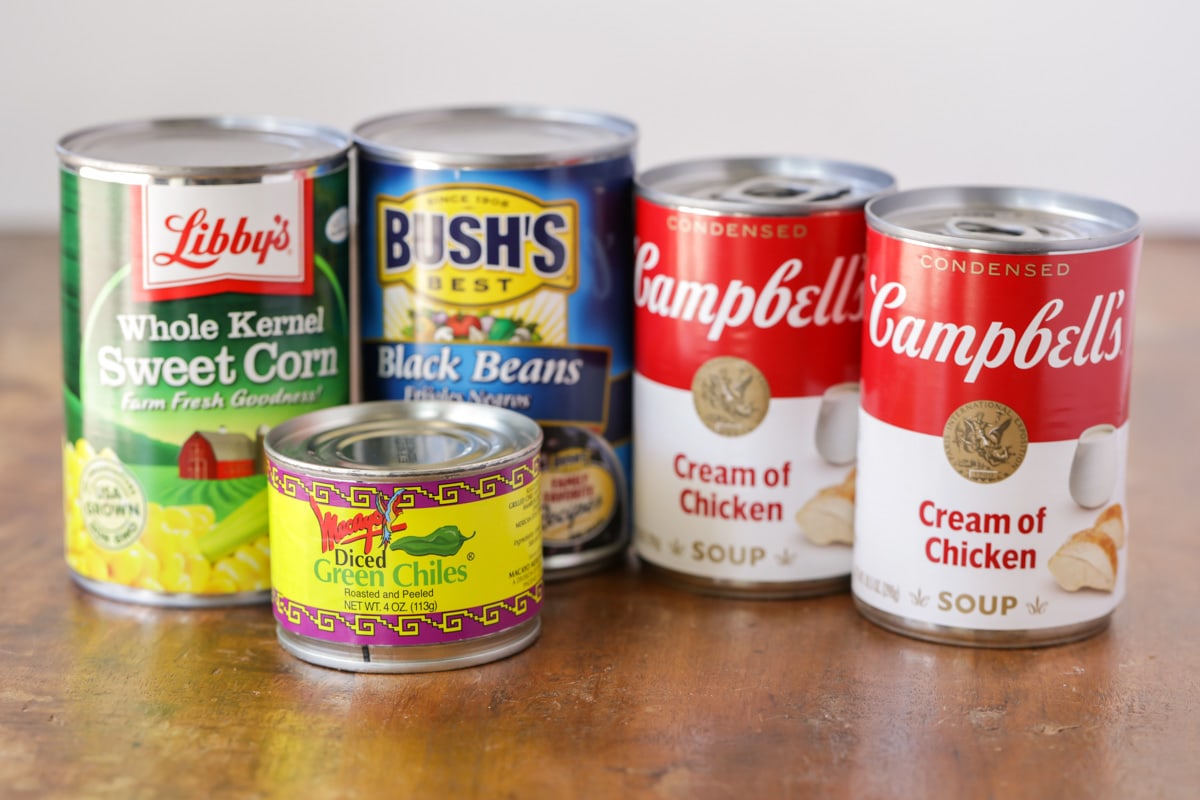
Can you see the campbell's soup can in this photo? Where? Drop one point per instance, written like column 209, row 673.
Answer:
column 995, row 415
column 748, row 306
column 205, row 271
column 496, row 253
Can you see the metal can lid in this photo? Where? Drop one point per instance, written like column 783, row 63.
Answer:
column 763, row 185
column 204, row 147
column 505, row 137
column 998, row 219
column 387, row 438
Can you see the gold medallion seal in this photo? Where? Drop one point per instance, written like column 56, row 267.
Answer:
column 731, row 395
column 985, row 441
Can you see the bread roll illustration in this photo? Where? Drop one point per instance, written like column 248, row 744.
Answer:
column 1112, row 522
column 1087, row 560
column 828, row 517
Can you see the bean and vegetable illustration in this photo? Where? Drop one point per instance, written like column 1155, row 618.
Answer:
column 435, row 325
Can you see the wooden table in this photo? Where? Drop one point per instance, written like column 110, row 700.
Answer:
column 634, row 689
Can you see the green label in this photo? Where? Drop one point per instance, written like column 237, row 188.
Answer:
column 194, row 318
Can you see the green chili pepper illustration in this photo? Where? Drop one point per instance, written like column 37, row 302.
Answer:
column 445, row 541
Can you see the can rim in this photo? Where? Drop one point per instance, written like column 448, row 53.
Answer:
column 864, row 182
column 316, row 442
column 73, row 148
column 367, row 132
column 1105, row 224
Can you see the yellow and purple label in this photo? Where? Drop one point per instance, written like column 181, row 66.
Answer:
column 398, row 563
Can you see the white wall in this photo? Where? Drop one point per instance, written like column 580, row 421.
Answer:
column 1095, row 97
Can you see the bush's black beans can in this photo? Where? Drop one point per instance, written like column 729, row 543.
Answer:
column 496, row 253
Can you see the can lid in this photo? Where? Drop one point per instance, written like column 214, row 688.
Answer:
column 999, row 219
column 509, row 137
column 217, row 147
column 387, row 437
column 763, row 186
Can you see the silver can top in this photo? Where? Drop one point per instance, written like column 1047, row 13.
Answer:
column 217, row 148
column 388, row 438
column 500, row 137
column 994, row 219
column 763, row 186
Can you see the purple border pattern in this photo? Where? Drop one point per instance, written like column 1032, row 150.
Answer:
column 428, row 494
column 442, row 627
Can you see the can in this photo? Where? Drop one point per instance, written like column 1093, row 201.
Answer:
column 496, row 252
column 748, row 296
column 205, row 266
column 995, row 414
column 406, row 535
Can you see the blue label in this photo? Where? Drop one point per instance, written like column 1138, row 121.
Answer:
column 543, row 254
column 550, row 384
column 512, row 288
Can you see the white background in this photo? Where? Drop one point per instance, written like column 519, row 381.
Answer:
column 1094, row 97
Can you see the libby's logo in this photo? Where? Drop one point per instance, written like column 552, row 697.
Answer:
column 476, row 245
column 208, row 239
column 201, row 243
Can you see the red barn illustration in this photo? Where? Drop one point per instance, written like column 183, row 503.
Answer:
column 209, row 455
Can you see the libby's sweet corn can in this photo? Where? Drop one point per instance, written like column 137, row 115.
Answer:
column 205, row 267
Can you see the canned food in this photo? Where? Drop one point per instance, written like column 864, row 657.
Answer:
column 995, row 415
column 748, row 295
column 204, row 273
column 406, row 536
column 496, row 249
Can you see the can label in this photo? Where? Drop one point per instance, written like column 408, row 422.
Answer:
column 993, row 435
column 406, row 563
column 190, row 241
column 748, row 335
column 475, row 245
column 194, row 317
column 508, row 290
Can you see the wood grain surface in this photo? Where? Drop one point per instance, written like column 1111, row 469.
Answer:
column 634, row 689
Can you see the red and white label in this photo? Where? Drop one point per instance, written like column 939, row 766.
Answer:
column 1049, row 336
column 993, row 435
column 197, row 240
column 747, row 337
column 783, row 292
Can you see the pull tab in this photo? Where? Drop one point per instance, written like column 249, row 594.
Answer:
column 782, row 191
column 995, row 230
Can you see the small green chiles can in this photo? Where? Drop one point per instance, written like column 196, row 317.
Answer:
column 406, row 536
